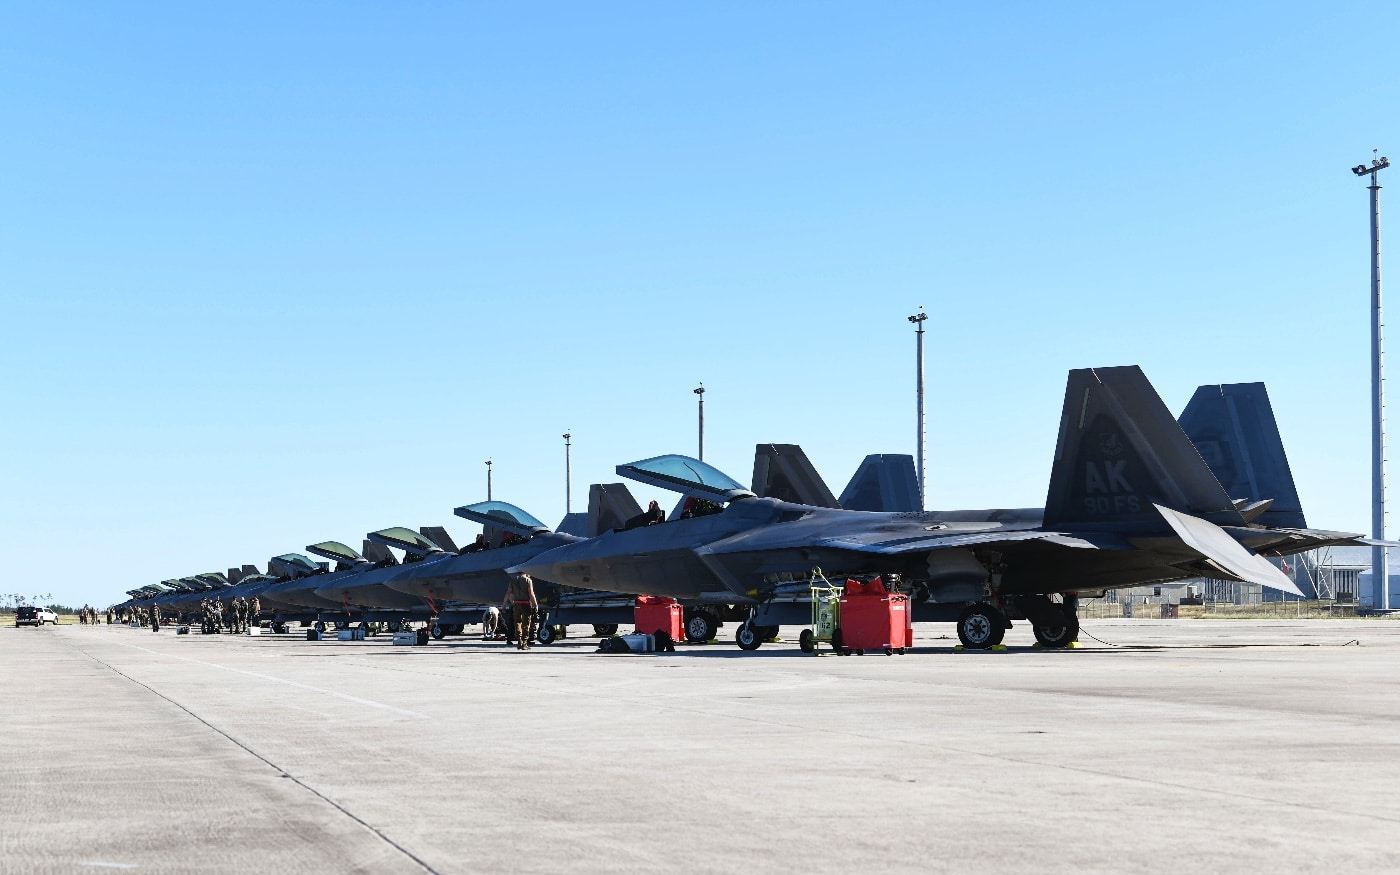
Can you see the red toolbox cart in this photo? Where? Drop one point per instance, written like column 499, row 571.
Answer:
column 655, row 614
column 873, row 618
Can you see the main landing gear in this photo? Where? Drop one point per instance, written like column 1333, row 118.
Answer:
column 981, row 626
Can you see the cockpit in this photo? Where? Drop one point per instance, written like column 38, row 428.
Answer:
column 505, row 525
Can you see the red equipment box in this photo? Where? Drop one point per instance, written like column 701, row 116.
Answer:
column 654, row 614
column 873, row 618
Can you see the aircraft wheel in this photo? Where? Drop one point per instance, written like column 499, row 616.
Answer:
column 438, row 632
column 748, row 637
column 981, row 627
column 807, row 641
column 1057, row 636
column 548, row 634
column 605, row 630
column 700, row 626
column 320, row 626
column 341, row 624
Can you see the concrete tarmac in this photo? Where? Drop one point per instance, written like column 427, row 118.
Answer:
column 1210, row 745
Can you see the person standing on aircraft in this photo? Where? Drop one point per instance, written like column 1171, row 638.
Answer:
column 477, row 546
column 520, row 596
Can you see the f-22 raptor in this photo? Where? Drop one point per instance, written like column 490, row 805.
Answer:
column 1130, row 502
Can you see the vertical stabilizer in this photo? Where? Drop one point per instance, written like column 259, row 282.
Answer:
column 1233, row 428
column 610, row 506
column 377, row 553
column 884, row 482
column 784, row 472
column 438, row 535
column 1120, row 452
column 574, row 524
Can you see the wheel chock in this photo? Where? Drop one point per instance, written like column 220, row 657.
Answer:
column 958, row 648
column 1037, row 646
column 998, row 646
column 1073, row 645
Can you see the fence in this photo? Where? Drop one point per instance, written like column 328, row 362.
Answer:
column 1099, row 609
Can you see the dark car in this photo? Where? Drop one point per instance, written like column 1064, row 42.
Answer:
column 28, row 615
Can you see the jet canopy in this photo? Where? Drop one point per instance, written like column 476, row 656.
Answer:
column 292, row 565
column 405, row 539
column 685, row 475
column 503, row 516
column 336, row 552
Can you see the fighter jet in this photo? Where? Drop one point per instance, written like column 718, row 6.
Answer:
column 1130, row 502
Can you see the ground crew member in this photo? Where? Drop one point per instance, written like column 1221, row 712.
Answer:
column 490, row 622
column 520, row 596
column 155, row 620
column 255, row 611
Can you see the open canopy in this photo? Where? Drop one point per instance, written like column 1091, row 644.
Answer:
column 335, row 551
column 405, row 539
column 503, row 516
column 686, row 475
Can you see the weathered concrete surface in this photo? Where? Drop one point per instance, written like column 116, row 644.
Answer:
column 1193, row 746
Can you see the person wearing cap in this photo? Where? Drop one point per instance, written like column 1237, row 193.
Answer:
column 520, row 598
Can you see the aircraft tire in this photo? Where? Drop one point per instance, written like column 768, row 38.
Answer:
column 547, row 634
column 320, row 626
column 700, row 627
column 605, row 630
column 1057, row 636
column 981, row 627
column 748, row 637
column 807, row 641
column 438, row 632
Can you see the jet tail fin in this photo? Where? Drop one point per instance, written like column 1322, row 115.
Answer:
column 438, row 535
column 376, row 552
column 1120, row 452
column 784, row 472
column 884, row 482
column 610, row 506
column 1233, row 428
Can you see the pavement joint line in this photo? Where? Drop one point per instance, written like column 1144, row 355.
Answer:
column 267, row 677
column 280, row 771
column 1021, row 761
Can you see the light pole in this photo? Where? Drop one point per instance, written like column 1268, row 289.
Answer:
column 488, row 479
column 1380, row 574
column 700, row 393
column 568, row 475
column 918, row 320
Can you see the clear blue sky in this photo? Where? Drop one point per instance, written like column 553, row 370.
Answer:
column 274, row 274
